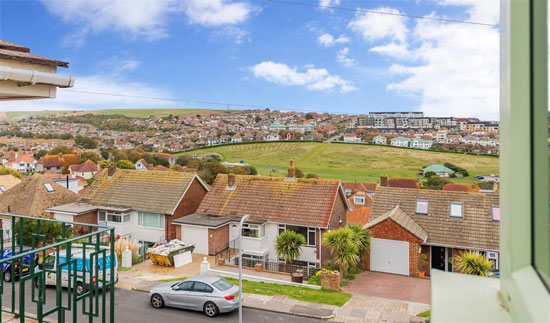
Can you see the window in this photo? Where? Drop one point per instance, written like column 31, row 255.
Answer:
column 456, row 209
column 359, row 200
column 116, row 217
column 49, row 187
column 422, row 207
column 202, row 288
column 253, row 230
column 151, row 220
column 187, row 285
column 491, row 255
column 2, row 188
column 348, row 191
column 308, row 233
column 282, row 228
column 495, row 213
column 222, row 285
column 49, row 263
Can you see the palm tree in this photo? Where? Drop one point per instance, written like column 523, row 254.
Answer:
column 362, row 238
column 474, row 263
column 343, row 247
column 289, row 245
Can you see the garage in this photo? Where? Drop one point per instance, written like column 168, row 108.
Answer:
column 197, row 236
column 389, row 256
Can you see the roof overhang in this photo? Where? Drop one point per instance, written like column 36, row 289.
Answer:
column 23, row 84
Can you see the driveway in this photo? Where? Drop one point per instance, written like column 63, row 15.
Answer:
column 390, row 286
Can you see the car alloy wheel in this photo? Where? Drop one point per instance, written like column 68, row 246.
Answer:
column 79, row 288
column 157, row 301
column 7, row 276
column 210, row 309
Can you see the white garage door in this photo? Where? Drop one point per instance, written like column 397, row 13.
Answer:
column 389, row 256
column 196, row 236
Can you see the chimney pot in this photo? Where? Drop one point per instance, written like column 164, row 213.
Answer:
column 111, row 170
column 231, row 180
column 384, row 180
column 291, row 170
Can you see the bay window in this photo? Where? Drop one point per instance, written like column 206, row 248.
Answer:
column 253, row 230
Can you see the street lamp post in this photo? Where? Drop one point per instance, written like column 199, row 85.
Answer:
column 243, row 220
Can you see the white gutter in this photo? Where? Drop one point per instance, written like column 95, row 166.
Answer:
column 31, row 77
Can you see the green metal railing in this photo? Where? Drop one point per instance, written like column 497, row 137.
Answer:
column 83, row 264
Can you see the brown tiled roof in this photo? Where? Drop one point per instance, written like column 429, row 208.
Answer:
column 9, row 50
column 300, row 201
column 8, row 181
column 161, row 168
column 403, row 182
column 150, row 191
column 87, row 166
column 351, row 200
column 358, row 216
column 59, row 161
column 475, row 230
column 461, row 187
column 355, row 187
column 398, row 216
column 31, row 198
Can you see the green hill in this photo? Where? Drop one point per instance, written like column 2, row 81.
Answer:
column 349, row 162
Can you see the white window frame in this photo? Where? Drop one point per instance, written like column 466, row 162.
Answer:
column 308, row 243
column 362, row 198
column 49, row 187
column 254, row 227
column 124, row 216
column 493, row 207
column 418, row 203
column 160, row 220
column 456, row 204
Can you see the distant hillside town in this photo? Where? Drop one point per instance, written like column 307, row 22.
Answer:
column 175, row 133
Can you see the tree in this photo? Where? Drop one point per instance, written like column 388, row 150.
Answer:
column 362, row 238
column 41, row 153
column 125, row 164
column 104, row 154
column 299, row 173
column 89, row 155
column 343, row 247
column 104, row 163
column 52, row 231
column 473, row 263
column 309, row 116
column 183, row 160
column 9, row 171
column 312, row 175
column 435, row 182
column 289, row 245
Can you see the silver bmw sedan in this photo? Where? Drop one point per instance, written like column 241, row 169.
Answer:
column 209, row 294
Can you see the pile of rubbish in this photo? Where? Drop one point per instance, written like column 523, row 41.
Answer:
column 163, row 253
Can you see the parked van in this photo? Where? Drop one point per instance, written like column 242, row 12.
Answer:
column 82, row 284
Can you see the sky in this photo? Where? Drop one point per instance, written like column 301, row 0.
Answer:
column 266, row 54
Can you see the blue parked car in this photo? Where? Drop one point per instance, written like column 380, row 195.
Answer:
column 25, row 267
column 479, row 177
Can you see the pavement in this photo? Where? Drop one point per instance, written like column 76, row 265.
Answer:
column 389, row 286
column 375, row 309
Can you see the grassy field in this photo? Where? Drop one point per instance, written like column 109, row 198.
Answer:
column 132, row 113
column 349, row 162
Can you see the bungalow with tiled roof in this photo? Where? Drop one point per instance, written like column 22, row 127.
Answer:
column 440, row 224
column 87, row 169
column 56, row 163
column 143, row 165
column 310, row 207
column 139, row 205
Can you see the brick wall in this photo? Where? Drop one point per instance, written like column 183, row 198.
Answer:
column 390, row 230
column 189, row 204
column 338, row 212
column 90, row 217
column 217, row 239
column 426, row 268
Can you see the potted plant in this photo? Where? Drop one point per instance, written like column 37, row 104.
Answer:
column 423, row 264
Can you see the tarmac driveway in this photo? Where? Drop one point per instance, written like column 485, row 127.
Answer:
column 390, row 286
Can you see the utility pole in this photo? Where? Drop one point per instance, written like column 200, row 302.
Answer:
column 243, row 219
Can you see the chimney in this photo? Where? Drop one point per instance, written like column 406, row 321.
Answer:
column 291, row 170
column 384, row 180
column 231, row 181
column 111, row 169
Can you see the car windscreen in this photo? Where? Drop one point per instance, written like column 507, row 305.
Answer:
column 222, row 285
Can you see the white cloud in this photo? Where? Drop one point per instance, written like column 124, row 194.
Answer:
column 312, row 78
column 216, row 12
column 458, row 73
column 116, row 65
column 373, row 26
column 329, row 3
column 67, row 100
column 328, row 40
column 342, row 57
column 144, row 19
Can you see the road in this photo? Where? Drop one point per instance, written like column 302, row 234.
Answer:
column 134, row 307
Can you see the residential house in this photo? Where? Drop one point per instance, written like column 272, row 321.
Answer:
column 440, row 224
column 273, row 137
column 86, row 170
column 139, row 205
column 56, row 163
column 360, row 204
column 380, row 140
column 22, row 164
column 400, row 142
column 310, row 207
column 439, row 170
column 421, row 143
column 352, row 187
column 236, row 138
column 8, row 181
column 351, row 137
column 399, row 182
column 34, row 195
column 143, row 165
column 73, row 183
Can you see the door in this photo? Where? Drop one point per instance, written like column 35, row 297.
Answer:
column 199, row 295
column 179, row 295
column 389, row 256
column 49, row 266
column 438, row 258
